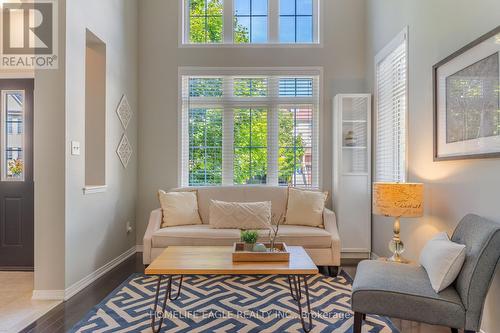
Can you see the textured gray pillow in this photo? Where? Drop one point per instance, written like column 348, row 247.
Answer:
column 442, row 260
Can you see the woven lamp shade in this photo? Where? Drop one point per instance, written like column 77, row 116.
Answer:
column 398, row 199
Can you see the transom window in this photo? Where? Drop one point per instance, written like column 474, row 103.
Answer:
column 296, row 21
column 250, row 129
column 240, row 22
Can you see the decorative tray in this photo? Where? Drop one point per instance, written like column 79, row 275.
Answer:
column 239, row 253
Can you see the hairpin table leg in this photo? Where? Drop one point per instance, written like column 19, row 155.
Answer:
column 168, row 291
column 178, row 290
column 290, row 285
column 297, row 296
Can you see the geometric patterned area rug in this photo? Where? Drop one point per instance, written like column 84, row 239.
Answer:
column 239, row 303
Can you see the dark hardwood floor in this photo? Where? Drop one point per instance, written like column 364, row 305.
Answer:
column 67, row 314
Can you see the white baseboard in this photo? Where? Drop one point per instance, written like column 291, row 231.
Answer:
column 139, row 248
column 48, row 295
column 80, row 285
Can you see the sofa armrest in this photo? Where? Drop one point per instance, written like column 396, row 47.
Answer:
column 154, row 224
column 330, row 222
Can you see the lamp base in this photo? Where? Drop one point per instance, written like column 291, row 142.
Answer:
column 396, row 259
column 396, row 246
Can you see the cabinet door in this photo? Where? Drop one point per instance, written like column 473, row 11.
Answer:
column 352, row 173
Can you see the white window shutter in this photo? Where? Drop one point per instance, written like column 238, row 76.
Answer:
column 391, row 91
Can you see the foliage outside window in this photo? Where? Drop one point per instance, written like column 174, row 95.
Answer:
column 205, row 21
column 242, row 130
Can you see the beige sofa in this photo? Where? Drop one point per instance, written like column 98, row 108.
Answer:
column 322, row 244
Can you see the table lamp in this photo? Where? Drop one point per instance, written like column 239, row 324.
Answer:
column 398, row 200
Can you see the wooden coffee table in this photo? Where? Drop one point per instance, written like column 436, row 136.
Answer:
column 217, row 260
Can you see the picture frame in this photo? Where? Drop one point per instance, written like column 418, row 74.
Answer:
column 466, row 101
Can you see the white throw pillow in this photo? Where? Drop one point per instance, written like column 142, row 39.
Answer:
column 443, row 260
column 240, row 215
column 305, row 207
column 179, row 208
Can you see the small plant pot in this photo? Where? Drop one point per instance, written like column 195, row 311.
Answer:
column 248, row 247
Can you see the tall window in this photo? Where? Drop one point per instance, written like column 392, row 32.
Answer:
column 391, row 88
column 260, row 128
column 250, row 22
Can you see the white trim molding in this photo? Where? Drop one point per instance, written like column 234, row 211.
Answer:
column 48, row 295
column 139, row 248
column 89, row 279
column 64, row 295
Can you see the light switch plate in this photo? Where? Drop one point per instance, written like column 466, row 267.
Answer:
column 75, row 148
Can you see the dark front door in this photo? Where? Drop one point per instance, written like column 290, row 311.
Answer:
column 16, row 174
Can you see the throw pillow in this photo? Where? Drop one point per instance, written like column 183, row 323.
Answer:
column 179, row 208
column 240, row 215
column 442, row 260
column 305, row 207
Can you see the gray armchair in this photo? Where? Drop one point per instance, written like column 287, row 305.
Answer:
column 404, row 291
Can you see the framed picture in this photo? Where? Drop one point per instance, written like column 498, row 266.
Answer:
column 467, row 101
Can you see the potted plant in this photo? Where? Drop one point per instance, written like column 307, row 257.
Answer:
column 249, row 237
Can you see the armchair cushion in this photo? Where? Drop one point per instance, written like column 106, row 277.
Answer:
column 442, row 260
column 404, row 291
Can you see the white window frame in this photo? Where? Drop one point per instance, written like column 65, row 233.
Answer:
column 273, row 27
column 386, row 51
column 247, row 71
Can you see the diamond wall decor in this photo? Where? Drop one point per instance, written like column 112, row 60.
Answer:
column 124, row 151
column 124, row 111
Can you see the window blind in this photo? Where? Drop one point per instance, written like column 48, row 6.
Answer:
column 252, row 128
column 391, row 109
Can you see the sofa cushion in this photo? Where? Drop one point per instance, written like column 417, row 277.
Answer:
column 404, row 291
column 204, row 235
column 305, row 207
column 240, row 215
column 276, row 194
column 297, row 235
column 179, row 208
column 194, row 235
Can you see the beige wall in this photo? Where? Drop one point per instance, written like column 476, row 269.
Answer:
column 453, row 189
column 96, row 223
column 49, row 169
column 342, row 58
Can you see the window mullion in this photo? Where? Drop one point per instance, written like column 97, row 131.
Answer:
column 228, row 21
column 316, row 21
column 272, row 145
column 273, row 21
column 272, row 133
column 228, row 134
column 228, row 146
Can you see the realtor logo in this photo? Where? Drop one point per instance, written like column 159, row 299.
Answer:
column 29, row 34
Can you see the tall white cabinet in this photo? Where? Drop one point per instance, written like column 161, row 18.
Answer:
column 352, row 172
